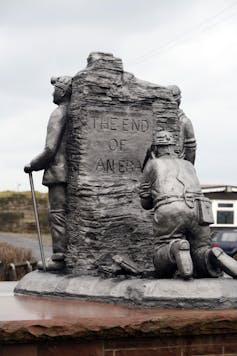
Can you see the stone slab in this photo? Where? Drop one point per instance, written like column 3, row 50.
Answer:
column 218, row 293
column 27, row 319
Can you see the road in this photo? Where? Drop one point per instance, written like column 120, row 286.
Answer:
column 26, row 242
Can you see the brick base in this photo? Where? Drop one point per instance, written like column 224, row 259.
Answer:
column 208, row 345
column 31, row 326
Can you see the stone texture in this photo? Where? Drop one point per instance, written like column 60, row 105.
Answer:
column 111, row 121
column 199, row 293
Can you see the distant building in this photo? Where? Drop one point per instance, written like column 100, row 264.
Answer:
column 224, row 204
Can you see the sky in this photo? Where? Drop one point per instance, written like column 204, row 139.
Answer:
column 192, row 44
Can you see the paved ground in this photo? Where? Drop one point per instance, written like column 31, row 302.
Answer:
column 26, row 242
column 6, row 288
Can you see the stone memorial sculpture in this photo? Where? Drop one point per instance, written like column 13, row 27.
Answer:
column 112, row 116
column 53, row 161
column 182, row 216
column 107, row 246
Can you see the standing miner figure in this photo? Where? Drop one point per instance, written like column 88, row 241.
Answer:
column 182, row 216
column 187, row 141
column 53, row 161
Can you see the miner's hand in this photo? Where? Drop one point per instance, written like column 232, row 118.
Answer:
column 146, row 159
column 28, row 168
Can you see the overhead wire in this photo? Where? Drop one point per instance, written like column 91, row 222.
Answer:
column 201, row 27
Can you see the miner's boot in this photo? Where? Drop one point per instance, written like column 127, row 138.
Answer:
column 57, row 227
column 220, row 259
column 180, row 251
column 51, row 265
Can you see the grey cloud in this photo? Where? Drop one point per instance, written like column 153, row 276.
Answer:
column 123, row 14
column 42, row 38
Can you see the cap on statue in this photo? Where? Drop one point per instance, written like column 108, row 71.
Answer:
column 63, row 82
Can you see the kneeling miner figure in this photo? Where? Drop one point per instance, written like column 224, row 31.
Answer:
column 182, row 215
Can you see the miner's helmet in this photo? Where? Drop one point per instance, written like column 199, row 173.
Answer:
column 63, row 82
column 163, row 138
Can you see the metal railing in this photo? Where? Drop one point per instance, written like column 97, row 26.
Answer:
column 12, row 268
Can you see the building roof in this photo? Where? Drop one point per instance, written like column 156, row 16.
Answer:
column 219, row 188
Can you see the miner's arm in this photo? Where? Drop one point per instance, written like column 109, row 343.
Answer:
column 145, row 189
column 55, row 130
column 146, row 159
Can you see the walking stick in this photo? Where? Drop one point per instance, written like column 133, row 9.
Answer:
column 37, row 221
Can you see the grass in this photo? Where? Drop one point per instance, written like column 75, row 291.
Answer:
column 8, row 194
column 11, row 254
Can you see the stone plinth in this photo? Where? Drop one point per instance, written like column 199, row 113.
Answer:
column 203, row 293
column 112, row 118
column 39, row 326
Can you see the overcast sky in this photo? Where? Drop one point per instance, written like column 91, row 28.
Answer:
column 191, row 43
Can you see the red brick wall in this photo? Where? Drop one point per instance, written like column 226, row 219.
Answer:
column 207, row 345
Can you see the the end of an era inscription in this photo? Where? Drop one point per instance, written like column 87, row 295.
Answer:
column 116, row 142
